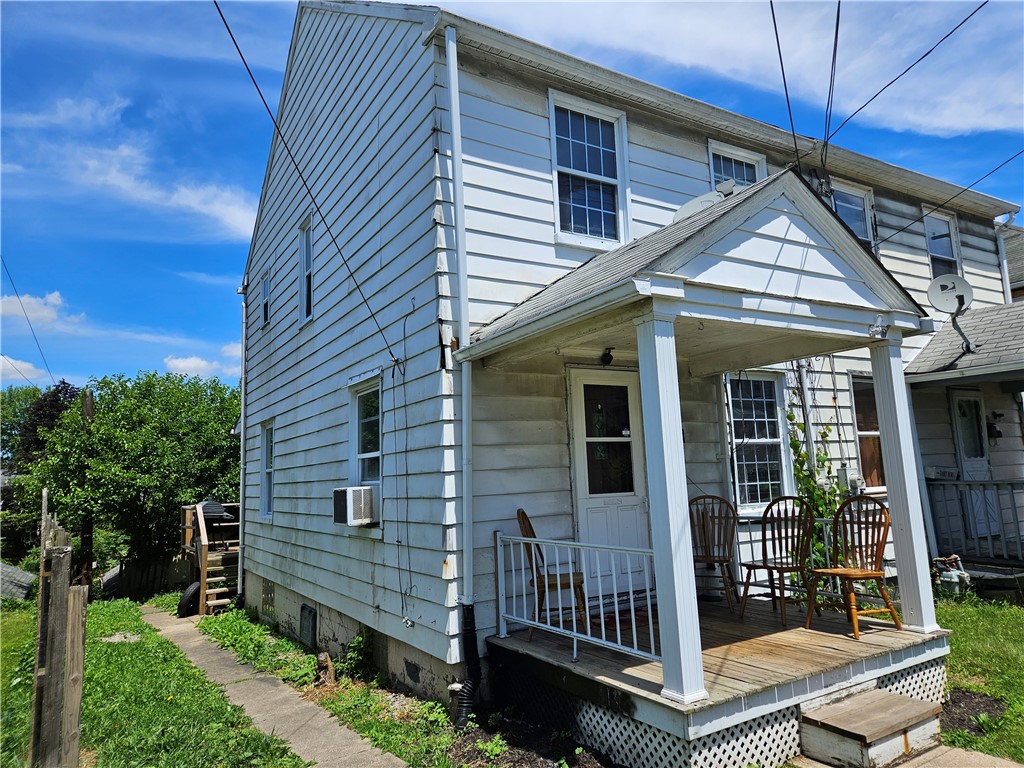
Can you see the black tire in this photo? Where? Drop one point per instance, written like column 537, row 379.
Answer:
column 188, row 605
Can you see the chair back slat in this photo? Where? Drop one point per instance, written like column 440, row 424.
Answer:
column 861, row 530
column 534, row 553
column 788, row 526
column 713, row 528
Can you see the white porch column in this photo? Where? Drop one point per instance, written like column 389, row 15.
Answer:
column 899, row 455
column 670, row 519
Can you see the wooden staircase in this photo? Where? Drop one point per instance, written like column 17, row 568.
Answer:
column 872, row 729
column 211, row 545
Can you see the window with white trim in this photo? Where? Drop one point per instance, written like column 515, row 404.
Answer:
column 267, row 472
column 367, row 436
column 759, row 439
column 306, row 268
column 869, row 440
column 853, row 206
column 589, row 168
column 741, row 165
column 265, row 298
column 940, row 235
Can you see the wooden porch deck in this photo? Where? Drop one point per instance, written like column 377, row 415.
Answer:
column 750, row 666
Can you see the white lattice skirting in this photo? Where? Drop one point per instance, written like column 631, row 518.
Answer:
column 926, row 681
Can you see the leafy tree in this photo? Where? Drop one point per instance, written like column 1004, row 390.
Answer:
column 155, row 443
column 14, row 407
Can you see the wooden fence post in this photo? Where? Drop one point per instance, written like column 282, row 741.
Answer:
column 56, row 656
column 42, row 607
column 78, row 600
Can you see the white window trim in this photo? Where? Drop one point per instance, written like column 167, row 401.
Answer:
column 857, row 432
column 954, row 237
column 618, row 118
column 869, row 205
column 785, row 455
column 756, row 159
column 264, row 316
column 267, row 449
column 355, row 392
column 305, row 233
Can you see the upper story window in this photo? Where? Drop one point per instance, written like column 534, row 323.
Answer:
column 741, row 165
column 940, row 234
column 759, row 439
column 853, row 206
column 367, row 435
column 265, row 298
column 306, row 268
column 589, row 171
column 869, row 440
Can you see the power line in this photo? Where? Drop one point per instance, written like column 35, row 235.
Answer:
column 305, row 185
column 11, row 362
column 27, row 319
column 951, row 199
column 785, row 88
column 831, row 91
column 901, row 74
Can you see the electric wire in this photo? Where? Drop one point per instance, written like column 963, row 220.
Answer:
column 921, row 58
column 305, row 184
column 27, row 319
column 785, row 88
column 11, row 363
column 948, row 200
column 831, row 92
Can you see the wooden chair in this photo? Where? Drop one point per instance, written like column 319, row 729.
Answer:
column 713, row 528
column 544, row 581
column 858, row 548
column 787, row 527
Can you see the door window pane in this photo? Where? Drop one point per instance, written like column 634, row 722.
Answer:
column 610, row 467
column 972, row 442
column 607, row 410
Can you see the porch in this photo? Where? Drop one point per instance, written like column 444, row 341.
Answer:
column 759, row 676
column 982, row 521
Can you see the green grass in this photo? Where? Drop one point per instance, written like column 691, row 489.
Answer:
column 144, row 703
column 988, row 657
column 17, row 663
column 168, row 601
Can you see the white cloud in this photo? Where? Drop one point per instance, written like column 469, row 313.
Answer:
column 942, row 96
column 126, row 170
column 74, row 114
column 232, row 351
column 14, row 371
column 203, row 278
column 228, row 367
column 45, row 311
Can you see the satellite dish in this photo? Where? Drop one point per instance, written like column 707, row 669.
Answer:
column 950, row 294
column 697, row 204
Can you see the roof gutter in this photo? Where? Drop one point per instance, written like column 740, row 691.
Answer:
column 963, row 373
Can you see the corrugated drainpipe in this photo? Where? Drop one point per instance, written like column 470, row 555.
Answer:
column 470, row 652
column 805, row 406
column 241, row 462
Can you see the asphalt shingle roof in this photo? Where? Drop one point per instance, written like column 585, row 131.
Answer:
column 997, row 332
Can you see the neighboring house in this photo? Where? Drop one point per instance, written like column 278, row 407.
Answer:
column 487, row 305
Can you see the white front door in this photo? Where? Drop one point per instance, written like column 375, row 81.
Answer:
column 972, row 455
column 610, row 482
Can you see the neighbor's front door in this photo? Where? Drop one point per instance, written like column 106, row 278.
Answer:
column 610, row 482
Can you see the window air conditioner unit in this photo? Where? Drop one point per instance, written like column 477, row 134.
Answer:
column 354, row 506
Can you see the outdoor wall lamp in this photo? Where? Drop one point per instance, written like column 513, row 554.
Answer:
column 606, row 358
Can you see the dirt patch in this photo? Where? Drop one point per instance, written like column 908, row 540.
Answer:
column 965, row 711
column 122, row 637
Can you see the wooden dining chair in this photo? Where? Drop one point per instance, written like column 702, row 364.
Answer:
column 713, row 529
column 545, row 581
column 859, row 533
column 787, row 527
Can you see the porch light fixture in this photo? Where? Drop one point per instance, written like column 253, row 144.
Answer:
column 606, row 358
column 878, row 330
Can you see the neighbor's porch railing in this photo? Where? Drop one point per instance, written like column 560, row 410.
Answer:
column 621, row 610
column 983, row 519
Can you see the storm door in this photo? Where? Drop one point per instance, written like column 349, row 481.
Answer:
column 980, row 505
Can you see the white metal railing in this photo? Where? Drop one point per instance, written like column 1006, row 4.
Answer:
column 978, row 518
column 618, row 609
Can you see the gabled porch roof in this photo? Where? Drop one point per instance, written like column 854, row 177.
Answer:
column 772, row 257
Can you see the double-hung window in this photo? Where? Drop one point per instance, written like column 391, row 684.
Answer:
column 869, row 441
column 306, row 269
column 267, row 473
column 759, row 437
column 589, row 170
column 265, row 298
column 853, row 206
column 736, row 164
column 367, row 435
column 940, row 234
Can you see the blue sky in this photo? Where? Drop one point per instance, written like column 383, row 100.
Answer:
column 134, row 145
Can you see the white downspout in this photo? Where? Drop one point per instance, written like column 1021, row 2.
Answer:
column 1004, row 269
column 468, row 596
column 805, row 403
column 241, row 463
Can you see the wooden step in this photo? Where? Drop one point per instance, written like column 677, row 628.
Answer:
column 869, row 730
column 219, row 602
column 216, row 579
column 217, row 591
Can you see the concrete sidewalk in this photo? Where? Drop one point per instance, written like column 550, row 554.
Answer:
column 940, row 757
column 274, row 707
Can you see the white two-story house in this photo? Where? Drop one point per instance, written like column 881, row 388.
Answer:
column 471, row 289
